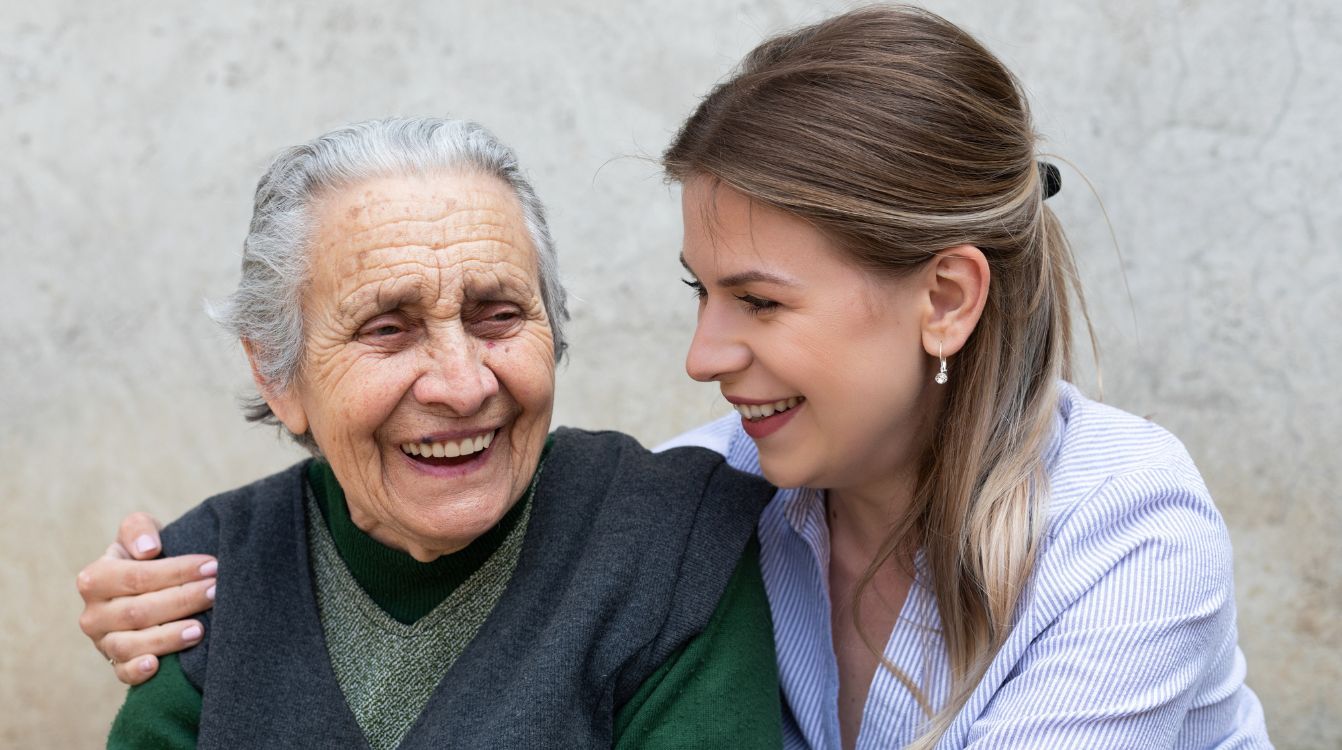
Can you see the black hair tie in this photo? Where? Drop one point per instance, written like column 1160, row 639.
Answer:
column 1052, row 179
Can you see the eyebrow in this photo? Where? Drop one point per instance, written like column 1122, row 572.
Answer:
column 378, row 301
column 407, row 294
column 495, row 289
column 744, row 277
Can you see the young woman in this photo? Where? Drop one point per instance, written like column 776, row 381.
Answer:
column 970, row 553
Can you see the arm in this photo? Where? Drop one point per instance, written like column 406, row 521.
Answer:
column 1143, row 650
column 133, row 605
column 721, row 690
column 162, row 713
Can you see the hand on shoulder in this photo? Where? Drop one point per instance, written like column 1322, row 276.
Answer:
column 137, row 608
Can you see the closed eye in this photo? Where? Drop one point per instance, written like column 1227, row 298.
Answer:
column 386, row 331
column 756, row 305
column 493, row 320
column 696, row 286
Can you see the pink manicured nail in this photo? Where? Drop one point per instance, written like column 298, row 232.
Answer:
column 146, row 664
column 191, row 633
column 144, row 543
column 209, row 593
column 209, row 568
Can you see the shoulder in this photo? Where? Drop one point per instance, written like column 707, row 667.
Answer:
column 1127, row 627
column 259, row 503
column 725, row 437
column 1101, row 453
column 657, row 536
column 242, row 524
column 1126, row 502
column 680, row 470
column 717, row 436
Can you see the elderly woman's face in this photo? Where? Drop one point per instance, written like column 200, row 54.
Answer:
column 428, row 378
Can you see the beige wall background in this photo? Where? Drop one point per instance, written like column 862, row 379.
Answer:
column 131, row 136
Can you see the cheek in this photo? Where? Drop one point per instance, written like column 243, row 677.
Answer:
column 366, row 394
column 525, row 367
column 859, row 388
column 534, row 388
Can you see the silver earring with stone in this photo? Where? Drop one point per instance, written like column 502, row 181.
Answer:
column 941, row 377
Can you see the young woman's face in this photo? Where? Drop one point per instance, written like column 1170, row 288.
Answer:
column 824, row 360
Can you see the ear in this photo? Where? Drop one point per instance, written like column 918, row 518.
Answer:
column 286, row 404
column 957, row 284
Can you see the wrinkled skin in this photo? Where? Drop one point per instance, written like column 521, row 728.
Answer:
column 424, row 323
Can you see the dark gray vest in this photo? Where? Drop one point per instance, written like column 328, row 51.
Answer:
column 625, row 558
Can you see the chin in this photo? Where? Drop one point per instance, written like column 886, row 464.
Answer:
column 456, row 527
column 782, row 477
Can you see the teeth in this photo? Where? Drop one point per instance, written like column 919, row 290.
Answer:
column 450, row 448
column 759, row 411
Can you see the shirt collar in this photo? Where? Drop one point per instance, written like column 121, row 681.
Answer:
column 801, row 505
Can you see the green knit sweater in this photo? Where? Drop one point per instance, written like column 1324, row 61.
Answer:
column 683, row 705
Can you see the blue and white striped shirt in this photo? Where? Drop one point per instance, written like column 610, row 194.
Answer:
column 1125, row 638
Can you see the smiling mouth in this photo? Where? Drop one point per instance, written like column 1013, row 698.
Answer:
column 449, row 452
column 756, row 412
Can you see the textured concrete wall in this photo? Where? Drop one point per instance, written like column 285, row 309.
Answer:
column 131, row 135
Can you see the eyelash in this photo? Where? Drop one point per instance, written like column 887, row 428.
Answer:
column 384, row 330
column 754, row 305
column 392, row 333
column 498, row 323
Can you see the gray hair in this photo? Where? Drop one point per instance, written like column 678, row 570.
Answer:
column 266, row 309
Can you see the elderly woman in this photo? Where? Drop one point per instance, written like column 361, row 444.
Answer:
column 442, row 573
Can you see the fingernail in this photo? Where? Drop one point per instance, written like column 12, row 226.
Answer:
column 144, row 543
column 191, row 633
column 146, row 664
column 209, row 568
column 209, row 593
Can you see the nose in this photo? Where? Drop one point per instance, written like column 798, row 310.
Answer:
column 455, row 373
column 717, row 350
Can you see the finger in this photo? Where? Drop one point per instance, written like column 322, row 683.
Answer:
column 136, row 670
column 116, row 552
column 108, row 577
column 147, row 610
column 139, row 536
column 128, row 645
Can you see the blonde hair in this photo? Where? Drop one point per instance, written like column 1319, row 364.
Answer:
column 899, row 136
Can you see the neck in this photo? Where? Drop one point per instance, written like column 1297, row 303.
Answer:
column 861, row 518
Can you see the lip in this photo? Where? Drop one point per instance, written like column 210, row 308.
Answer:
column 761, row 428
column 756, row 401
column 476, row 462
column 444, row 437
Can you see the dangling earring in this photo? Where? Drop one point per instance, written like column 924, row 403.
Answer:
column 941, row 377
